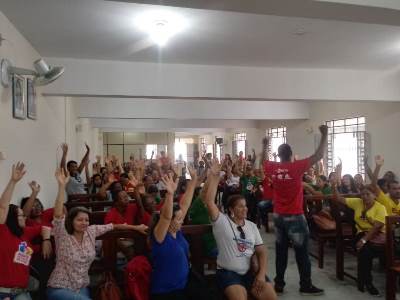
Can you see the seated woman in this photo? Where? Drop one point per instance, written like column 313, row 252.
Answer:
column 75, row 248
column 15, row 248
column 169, row 248
column 369, row 216
column 348, row 185
column 238, row 240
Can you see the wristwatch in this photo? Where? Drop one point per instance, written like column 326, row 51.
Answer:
column 363, row 241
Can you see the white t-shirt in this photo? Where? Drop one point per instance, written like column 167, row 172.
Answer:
column 234, row 253
column 233, row 180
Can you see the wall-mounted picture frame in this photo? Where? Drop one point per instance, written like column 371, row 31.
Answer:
column 31, row 99
column 18, row 97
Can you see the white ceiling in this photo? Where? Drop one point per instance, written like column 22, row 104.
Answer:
column 95, row 29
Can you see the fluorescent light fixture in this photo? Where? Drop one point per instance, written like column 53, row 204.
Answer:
column 161, row 26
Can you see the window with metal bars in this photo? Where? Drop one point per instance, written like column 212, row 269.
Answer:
column 277, row 137
column 239, row 143
column 346, row 142
column 203, row 145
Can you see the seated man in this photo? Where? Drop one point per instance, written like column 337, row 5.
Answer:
column 75, row 184
column 124, row 212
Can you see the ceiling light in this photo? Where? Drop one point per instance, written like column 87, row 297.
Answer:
column 160, row 25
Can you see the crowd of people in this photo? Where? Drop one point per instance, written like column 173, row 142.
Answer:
column 47, row 253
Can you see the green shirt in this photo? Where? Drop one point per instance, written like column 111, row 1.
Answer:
column 199, row 215
column 248, row 184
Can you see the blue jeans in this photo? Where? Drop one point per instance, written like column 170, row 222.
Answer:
column 263, row 207
column 23, row 296
column 67, row 294
column 292, row 228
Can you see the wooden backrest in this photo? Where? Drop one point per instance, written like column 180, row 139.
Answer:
column 342, row 215
column 97, row 217
column 80, row 198
column 193, row 233
column 392, row 241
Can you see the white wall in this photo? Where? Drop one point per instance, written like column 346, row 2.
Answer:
column 33, row 142
column 111, row 78
column 383, row 122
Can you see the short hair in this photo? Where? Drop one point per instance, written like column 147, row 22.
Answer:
column 285, row 151
column 152, row 189
column 12, row 221
column 124, row 175
column 233, row 199
column 392, row 182
column 369, row 187
column 25, row 199
column 72, row 213
column 70, row 163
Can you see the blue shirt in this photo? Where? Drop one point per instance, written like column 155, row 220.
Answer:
column 170, row 264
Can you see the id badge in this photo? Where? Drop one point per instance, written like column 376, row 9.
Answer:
column 23, row 255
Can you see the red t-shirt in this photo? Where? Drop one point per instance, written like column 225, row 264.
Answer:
column 12, row 274
column 267, row 187
column 113, row 216
column 146, row 219
column 47, row 219
column 287, row 182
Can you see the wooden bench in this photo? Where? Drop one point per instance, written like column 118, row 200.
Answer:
column 392, row 255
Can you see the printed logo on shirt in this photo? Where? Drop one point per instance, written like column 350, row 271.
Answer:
column 282, row 174
column 244, row 247
column 23, row 255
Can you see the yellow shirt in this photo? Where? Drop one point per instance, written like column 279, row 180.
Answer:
column 391, row 207
column 376, row 213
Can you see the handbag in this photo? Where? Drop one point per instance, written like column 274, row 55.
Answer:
column 108, row 289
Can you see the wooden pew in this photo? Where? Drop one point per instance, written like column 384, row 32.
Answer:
column 345, row 235
column 343, row 231
column 392, row 255
column 108, row 262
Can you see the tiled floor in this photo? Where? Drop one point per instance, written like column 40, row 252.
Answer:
column 323, row 278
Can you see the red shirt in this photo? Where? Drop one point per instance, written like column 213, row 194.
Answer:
column 113, row 216
column 287, row 182
column 47, row 219
column 146, row 219
column 267, row 187
column 14, row 275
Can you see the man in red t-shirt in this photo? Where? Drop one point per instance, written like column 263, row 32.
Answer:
column 289, row 220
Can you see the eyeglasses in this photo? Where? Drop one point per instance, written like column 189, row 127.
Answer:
column 242, row 234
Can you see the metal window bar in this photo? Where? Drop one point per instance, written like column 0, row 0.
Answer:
column 275, row 132
column 354, row 125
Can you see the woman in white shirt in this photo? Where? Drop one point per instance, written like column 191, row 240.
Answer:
column 237, row 240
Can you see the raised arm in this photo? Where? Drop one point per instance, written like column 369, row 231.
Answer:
column 29, row 204
column 379, row 161
column 337, row 197
column 322, row 145
column 212, row 187
column 17, row 173
column 63, row 163
column 85, row 159
column 188, row 195
column 87, row 174
column 62, row 179
column 161, row 229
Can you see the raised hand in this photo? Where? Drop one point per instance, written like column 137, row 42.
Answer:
column 215, row 167
column 18, row 171
column 64, row 147
column 35, row 187
column 87, row 147
column 62, row 177
column 98, row 158
column 323, row 129
column 379, row 160
column 170, row 184
column 193, row 173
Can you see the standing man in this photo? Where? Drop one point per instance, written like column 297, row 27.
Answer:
column 289, row 219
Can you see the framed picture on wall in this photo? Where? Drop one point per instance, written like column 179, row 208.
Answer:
column 31, row 99
column 18, row 97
